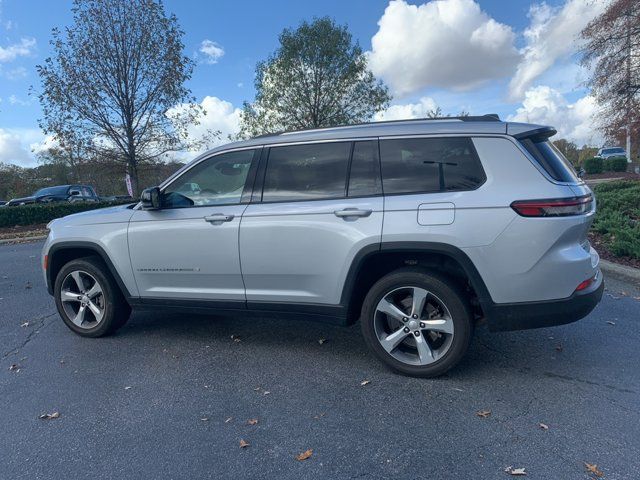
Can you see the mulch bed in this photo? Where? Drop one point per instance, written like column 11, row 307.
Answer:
column 597, row 241
column 621, row 175
column 20, row 231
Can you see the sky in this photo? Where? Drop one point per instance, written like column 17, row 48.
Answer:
column 517, row 58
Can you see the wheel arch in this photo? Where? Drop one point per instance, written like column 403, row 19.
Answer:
column 61, row 253
column 375, row 261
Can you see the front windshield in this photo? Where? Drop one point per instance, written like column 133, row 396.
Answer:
column 51, row 191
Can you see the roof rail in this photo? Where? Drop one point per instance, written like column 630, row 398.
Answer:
column 489, row 117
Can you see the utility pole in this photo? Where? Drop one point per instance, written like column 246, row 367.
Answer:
column 629, row 94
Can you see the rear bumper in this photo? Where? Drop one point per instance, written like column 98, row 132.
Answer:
column 522, row 316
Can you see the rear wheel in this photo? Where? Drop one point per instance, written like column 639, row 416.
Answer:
column 88, row 299
column 418, row 323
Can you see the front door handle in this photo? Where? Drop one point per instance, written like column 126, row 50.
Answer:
column 218, row 218
column 352, row 212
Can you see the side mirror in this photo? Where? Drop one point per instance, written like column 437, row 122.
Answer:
column 74, row 193
column 151, row 198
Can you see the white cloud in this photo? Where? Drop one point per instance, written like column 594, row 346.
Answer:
column 574, row 121
column 407, row 110
column 221, row 116
column 14, row 100
column 17, row 73
column 442, row 43
column 212, row 51
column 553, row 34
column 22, row 49
column 13, row 147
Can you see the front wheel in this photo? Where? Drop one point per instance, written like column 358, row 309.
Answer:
column 418, row 323
column 88, row 299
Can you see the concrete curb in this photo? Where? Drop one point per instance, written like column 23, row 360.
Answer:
column 621, row 271
column 22, row 239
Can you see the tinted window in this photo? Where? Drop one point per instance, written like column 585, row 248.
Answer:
column 551, row 159
column 306, row 172
column 217, row 181
column 52, row 191
column 364, row 177
column 413, row 165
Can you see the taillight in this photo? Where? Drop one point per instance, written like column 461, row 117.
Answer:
column 557, row 207
column 587, row 283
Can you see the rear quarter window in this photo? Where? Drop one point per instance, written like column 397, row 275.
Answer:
column 551, row 160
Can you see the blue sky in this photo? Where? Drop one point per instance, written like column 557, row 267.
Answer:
column 518, row 38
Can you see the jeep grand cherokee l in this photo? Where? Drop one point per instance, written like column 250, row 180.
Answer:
column 418, row 229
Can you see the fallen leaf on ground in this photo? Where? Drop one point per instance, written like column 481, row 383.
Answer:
column 14, row 367
column 458, row 389
column 610, row 322
column 127, row 388
column 623, row 293
column 205, row 419
column 319, row 416
column 515, row 471
column 322, row 340
column 365, row 382
column 28, row 286
column 236, row 338
column 243, row 444
column 252, row 421
column 25, row 324
column 593, row 468
column 266, row 392
column 636, row 298
column 483, row 413
column 559, row 347
column 228, row 420
column 543, row 426
column 49, row 416
column 304, row 455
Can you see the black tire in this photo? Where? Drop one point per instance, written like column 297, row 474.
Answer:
column 447, row 291
column 116, row 310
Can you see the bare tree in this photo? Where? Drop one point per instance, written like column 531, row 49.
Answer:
column 612, row 50
column 114, row 75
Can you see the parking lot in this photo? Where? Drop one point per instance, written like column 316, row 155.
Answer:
column 171, row 396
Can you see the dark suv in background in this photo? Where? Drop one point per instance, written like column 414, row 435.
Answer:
column 60, row 193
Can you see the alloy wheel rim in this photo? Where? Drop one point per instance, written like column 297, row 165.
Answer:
column 82, row 299
column 413, row 325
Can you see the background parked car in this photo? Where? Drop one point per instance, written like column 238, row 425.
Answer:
column 60, row 193
column 611, row 152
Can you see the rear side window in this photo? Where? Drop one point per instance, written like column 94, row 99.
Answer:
column 306, row 172
column 423, row 165
column 551, row 159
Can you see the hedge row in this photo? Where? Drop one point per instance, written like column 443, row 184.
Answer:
column 611, row 164
column 618, row 217
column 45, row 212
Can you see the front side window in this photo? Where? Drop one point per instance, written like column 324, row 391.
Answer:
column 306, row 172
column 219, row 180
column 423, row 165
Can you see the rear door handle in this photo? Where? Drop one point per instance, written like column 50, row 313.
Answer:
column 218, row 218
column 352, row 212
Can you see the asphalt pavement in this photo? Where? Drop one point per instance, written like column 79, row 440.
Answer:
column 173, row 396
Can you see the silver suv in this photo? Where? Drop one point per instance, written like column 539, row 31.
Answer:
column 419, row 229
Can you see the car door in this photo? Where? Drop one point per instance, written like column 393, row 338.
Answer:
column 189, row 248
column 298, row 239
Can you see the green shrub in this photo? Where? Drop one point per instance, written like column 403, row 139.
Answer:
column 593, row 165
column 44, row 212
column 618, row 217
column 615, row 164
